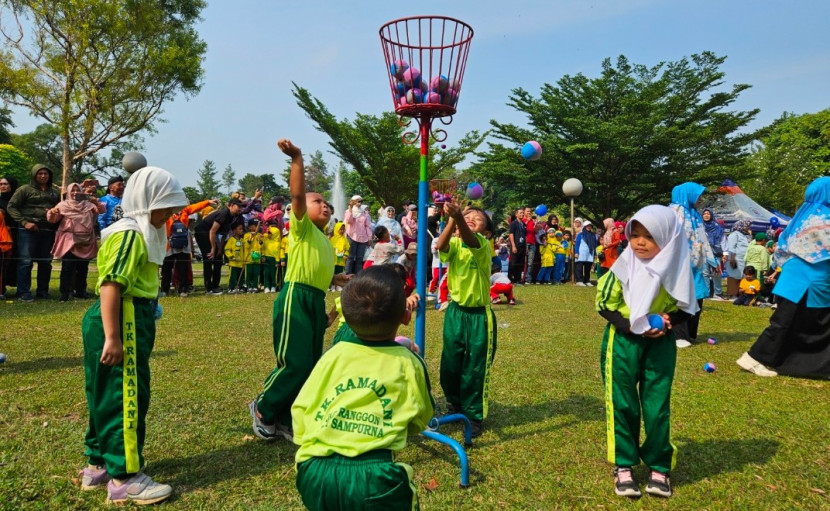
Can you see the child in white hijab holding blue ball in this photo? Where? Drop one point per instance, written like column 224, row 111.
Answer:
column 651, row 277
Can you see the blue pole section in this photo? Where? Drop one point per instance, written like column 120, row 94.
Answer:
column 423, row 246
column 462, row 455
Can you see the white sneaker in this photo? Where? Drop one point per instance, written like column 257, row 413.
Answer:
column 747, row 363
column 590, row 284
column 139, row 489
column 268, row 290
column 682, row 343
column 273, row 290
column 581, row 284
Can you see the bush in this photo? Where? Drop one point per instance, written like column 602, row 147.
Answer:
column 14, row 163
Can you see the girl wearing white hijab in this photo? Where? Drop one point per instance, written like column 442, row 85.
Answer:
column 648, row 290
column 119, row 333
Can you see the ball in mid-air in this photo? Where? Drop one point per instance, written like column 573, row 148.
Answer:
column 133, row 161
column 531, row 150
column 541, row 210
column 774, row 222
column 474, row 191
column 709, row 367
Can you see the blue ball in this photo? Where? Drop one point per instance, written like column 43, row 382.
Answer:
column 541, row 210
column 774, row 222
column 655, row 321
column 531, row 150
column 2, row 358
column 709, row 367
column 158, row 312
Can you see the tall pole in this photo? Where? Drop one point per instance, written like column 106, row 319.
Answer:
column 421, row 261
column 573, row 238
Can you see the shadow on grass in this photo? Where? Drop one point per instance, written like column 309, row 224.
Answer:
column 700, row 460
column 723, row 337
column 53, row 363
column 240, row 461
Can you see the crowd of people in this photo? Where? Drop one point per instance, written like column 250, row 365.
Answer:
column 345, row 408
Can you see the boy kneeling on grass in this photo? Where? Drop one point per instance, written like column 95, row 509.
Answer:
column 363, row 398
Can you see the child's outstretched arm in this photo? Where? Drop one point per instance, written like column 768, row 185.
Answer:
column 296, row 181
column 454, row 211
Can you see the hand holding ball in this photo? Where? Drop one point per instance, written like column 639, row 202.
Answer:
column 532, row 151
column 656, row 321
column 474, row 191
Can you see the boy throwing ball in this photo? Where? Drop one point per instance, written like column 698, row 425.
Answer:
column 363, row 398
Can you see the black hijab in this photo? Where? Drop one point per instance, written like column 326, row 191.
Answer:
column 6, row 196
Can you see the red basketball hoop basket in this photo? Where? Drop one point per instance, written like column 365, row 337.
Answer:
column 425, row 59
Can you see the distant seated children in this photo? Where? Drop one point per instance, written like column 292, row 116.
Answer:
column 470, row 325
column 363, row 398
column 637, row 361
column 235, row 255
column 386, row 251
column 271, row 241
column 757, row 254
column 546, row 256
column 749, row 288
column 253, row 253
column 500, row 285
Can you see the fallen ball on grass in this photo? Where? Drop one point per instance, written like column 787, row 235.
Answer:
column 712, row 341
column 709, row 367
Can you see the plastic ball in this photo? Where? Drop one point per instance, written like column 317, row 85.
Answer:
column 443, row 146
column 398, row 67
column 656, row 321
column 432, row 97
column 158, row 313
column 255, row 256
column 709, row 367
column 413, row 96
column 450, row 97
column 439, row 83
column 541, row 210
column 400, row 88
column 531, row 150
column 774, row 222
column 403, row 341
column 2, row 358
column 413, row 76
column 133, row 161
column 712, row 341
column 474, row 191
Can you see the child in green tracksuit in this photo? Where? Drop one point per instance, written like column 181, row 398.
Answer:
column 469, row 324
column 119, row 331
column 235, row 255
column 300, row 317
column 361, row 401
column 648, row 290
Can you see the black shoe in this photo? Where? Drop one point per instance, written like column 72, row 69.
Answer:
column 624, row 483
column 27, row 298
column 64, row 297
column 42, row 296
column 659, row 484
column 476, row 428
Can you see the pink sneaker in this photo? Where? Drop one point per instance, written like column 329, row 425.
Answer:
column 93, row 478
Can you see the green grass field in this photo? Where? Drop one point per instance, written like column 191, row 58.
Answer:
column 744, row 442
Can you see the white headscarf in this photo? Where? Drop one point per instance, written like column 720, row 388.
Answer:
column 148, row 189
column 670, row 268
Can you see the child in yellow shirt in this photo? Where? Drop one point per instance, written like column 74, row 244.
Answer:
column 546, row 251
column 749, row 288
column 253, row 254
column 271, row 247
column 235, row 255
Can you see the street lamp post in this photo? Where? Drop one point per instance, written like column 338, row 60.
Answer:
column 572, row 188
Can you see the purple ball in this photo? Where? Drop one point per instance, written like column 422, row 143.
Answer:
column 443, row 146
column 439, row 83
column 412, row 76
column 712, row 341
column 403, row 341
column 655, row 321
column 432, row 97
column 413, row 96
column 474, row 191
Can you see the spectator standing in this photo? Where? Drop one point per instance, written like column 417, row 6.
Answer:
column 208, row 232
column 585, row 251
column 358, row 232
column 180, row 247
column 8, row 266
column 736, row 244
column 28, row 208
column 713, row 275
column 530, row 238
column 518, row 247
column 115, row 192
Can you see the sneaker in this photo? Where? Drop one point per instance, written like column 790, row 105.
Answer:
column 624, row 483
column 262, row 430
column 182, row 295
column 717, row 298
column 139, row 490
column 27, row 298
column 682, row 343
column 285, row 431
column 659, row 484
column 215, row 292
column 64, row 297
column 476, row 428
column 511, row 302
column 580, row 284
column 336, row 288
column 495, row 301
column 253, row 290
column 747, row 363
column 42, row 296
column 162, row 294
column 268, row 290
column 589, row 284
column 93, row 478
column 443, row 306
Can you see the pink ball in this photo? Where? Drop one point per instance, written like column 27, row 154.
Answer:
column 412, row 76
column 403, row 341
column 450, row 97
column 398, row 67
column 474, row 191
column 414, row 96
column 439, row 83
column 432, row 97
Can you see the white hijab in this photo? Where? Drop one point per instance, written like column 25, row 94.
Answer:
column 641, row 279
column 148, row 189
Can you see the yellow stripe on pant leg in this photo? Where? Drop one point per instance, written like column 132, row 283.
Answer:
column 485, row 393
column 609, row 395
column 130, row 382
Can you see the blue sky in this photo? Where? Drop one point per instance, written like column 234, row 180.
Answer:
column 257, row 48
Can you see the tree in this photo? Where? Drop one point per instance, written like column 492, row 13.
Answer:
column 265, row 182
column 317, row 177
column 228, row 178
column 793, row 151
column 193, row 195
column 373, row 148
column 5, row 124
column 207, row 183
column 629, row 135
column 14, row 163
column 99, row 70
